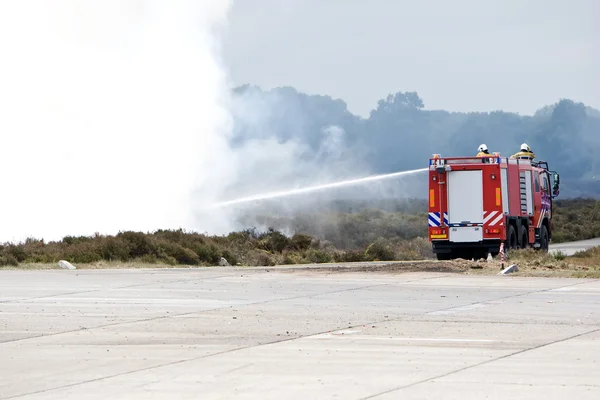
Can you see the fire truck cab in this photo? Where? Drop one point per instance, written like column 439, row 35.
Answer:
column 477, row 203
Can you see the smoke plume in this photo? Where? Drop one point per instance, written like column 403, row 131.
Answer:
column 118, row 115
column 113, row 115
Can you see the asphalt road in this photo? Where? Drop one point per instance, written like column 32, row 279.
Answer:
column 223, row 333
column 573, row 247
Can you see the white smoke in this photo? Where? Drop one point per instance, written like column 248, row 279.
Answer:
column 116, row 115
column 111, row 113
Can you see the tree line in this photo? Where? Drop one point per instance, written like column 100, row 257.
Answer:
column 400, row 134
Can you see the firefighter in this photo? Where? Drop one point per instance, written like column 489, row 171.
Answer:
column 525, row 152
column 483, row 151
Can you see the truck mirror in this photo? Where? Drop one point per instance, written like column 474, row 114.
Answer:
column 556, row 179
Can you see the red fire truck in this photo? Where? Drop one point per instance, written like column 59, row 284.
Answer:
column 477, row 203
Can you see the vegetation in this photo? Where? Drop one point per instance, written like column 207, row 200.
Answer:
column 573, row 219
column 398, row 232
column 585, row 264
column 576, row 219
column 247, row 247
column 400, row 134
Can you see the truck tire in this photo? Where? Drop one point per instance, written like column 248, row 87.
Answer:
column 544, row 241
column 523, row 237
column 444, row 256
column 511, row 238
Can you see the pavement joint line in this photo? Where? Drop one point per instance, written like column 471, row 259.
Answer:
column 546, row 385
column 342, row 333
column 509, row 296
column 97, row 290
column 196, row 312
column 479, row 321
column 256, row 345
column 515, row 353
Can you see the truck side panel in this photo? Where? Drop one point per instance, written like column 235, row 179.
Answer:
column 537, row 206
column 528, row 207
column 505, row 191
column 493, row 216
column 513, row 191
column 438, row 210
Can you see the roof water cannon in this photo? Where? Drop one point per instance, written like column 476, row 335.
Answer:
column 438, row 164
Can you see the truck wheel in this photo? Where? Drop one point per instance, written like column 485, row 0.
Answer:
column 444, row 256
column 544, row 239
column 511, row 238
column 523, row 237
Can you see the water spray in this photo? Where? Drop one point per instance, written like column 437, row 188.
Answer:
column 309, row 189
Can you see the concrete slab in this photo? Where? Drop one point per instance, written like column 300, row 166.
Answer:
column 230, row 332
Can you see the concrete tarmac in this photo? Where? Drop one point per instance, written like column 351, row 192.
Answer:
column 234, row 333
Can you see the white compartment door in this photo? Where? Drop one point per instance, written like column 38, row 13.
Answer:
column 465, row 205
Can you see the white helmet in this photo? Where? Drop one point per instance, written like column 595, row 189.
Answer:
column 482, row 147
column 525, row 147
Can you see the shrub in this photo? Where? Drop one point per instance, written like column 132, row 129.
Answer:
column 208, row 253
column 8, row 259
column 262, row 259
column 318, row 256
column 300, row 242
column 72, row 240
column 230, row 257
column 415, row 249
column 16, row 252
column 353, row 256
column 114, row 249
column 180, row 254
column 292, row 257
column 138, row 243
column 380, row 250
column 83, row 252
column 274, row 242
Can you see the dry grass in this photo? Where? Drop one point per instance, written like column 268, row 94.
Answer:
column 534, row 263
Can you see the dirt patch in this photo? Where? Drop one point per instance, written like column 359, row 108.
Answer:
column 529, row 263
column 527, row 268
column 398, row 267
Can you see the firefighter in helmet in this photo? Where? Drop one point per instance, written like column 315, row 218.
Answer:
column 525, row 152
column 483, row 151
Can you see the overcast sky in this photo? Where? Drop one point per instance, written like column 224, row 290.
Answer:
column 459, row 55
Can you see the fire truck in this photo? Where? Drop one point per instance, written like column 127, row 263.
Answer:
column 478, row 203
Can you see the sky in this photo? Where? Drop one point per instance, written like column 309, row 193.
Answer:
column 460, row 55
